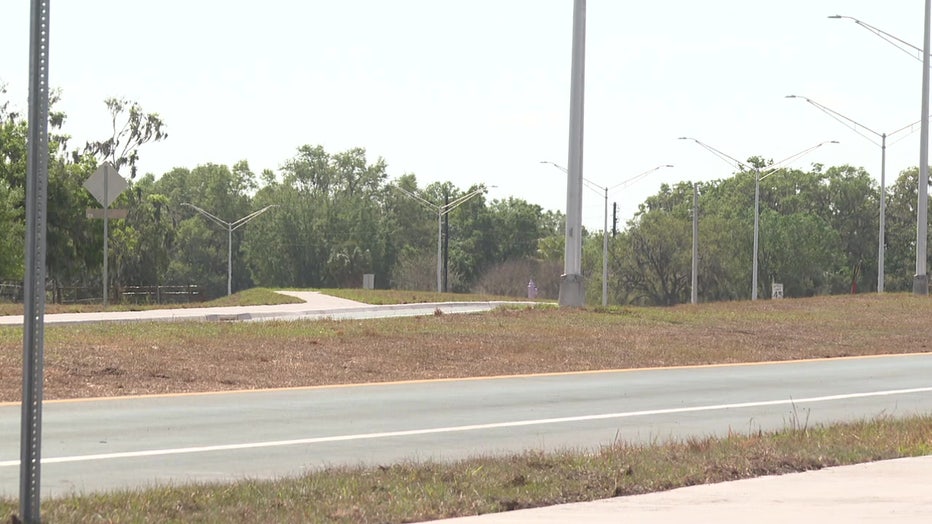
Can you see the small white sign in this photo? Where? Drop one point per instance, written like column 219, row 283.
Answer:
column 776, row 290
column 106, row 184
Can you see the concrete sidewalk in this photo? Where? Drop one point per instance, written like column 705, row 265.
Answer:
column 315, row 306
column 886, row 491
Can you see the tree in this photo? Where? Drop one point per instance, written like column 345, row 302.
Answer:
column 802, row 252
column 656, row 266
column 200, row 249
column 901, row 231
column 131, row 129
column 12, row 232
column 330, row 228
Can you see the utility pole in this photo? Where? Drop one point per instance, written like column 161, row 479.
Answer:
column 921, row 280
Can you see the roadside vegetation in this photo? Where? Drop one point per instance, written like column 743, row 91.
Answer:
column 113, row 359
column 415, row 492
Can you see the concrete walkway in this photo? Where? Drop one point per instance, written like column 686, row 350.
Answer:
column 887, row 491
column 315, row 306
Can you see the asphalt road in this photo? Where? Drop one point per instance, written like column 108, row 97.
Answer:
column 106, row 444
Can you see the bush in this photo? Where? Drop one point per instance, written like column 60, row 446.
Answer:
column 511, row 278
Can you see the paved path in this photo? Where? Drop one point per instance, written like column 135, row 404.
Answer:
column 315, row 306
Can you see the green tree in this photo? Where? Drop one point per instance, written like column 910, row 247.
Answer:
column 200, row 248
column 131, row 128
column 901, row 231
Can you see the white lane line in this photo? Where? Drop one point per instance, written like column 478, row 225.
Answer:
column 472, row 427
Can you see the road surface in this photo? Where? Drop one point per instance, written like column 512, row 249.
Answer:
column 106, row 444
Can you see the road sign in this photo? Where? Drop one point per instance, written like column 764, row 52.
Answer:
column 106, row 184
column 93, row 212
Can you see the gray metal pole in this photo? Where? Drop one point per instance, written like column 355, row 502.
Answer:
column 37, row 172
column 756, row 232
column 694, row 292
column 921, row 280
column 439, row 250
column 605, row 254
column 229, row 259
column 106, row 232
column 572, row 290
column 881, row 247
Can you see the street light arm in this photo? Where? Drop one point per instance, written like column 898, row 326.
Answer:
column 848, row 122
column 461, row 200
column 242, row 222
column 554, row 164
column 638, row 176
column 219, row 221
column 730, row 160
column 896, row 42
column 773, row 168
column 433, row 207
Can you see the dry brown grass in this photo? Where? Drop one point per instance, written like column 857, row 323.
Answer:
column 92, row 360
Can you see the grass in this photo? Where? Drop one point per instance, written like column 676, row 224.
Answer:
column 249, row 297
column 414, row 492
column 107, row 359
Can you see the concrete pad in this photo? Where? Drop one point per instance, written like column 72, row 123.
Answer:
column 885, row 491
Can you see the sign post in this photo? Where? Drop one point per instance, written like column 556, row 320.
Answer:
column 106, row 184
column 37, row 176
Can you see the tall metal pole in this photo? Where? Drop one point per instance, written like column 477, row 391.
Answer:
column 605, row 254
column 921, row 280
column 881, row 244
column 439, row 250
column 229, row 259
column 446, row 243
column 106, row 235
column 756, row 232
column 572, row 290
column 37, row 174
column 694, row 292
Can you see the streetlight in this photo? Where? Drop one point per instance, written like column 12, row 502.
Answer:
column 604, row 190
column 441, row 210
column 883, row 169
column 921, row 279
column 896, row 42
column 230, row 227
column 773, row 168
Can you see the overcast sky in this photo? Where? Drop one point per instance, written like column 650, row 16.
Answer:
column 478, row 91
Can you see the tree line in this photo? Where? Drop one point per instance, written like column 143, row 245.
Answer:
column 336, row 216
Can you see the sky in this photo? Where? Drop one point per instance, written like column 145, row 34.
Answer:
column 477, row 92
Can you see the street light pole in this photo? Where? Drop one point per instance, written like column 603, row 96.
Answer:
column 773, row 168
column 230, row 226
column 604, row 190
column 854, row 125
column 694, row 292
column 572, row 289
column 921, row 280
column 441, row 210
